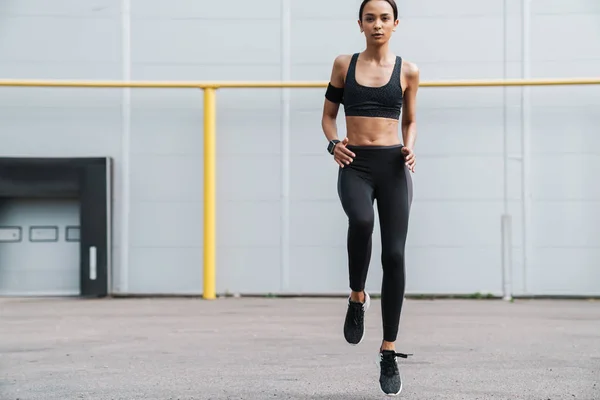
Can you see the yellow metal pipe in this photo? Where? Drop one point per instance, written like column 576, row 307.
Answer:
column 283, row 84
column 209, row 292
column 512, row 82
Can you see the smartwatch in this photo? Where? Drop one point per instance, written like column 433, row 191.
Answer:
column 331, row 145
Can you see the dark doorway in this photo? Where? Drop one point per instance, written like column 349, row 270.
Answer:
column 89, row 180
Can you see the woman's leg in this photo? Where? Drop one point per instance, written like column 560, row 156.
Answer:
column 394, row 198
column 356, row 195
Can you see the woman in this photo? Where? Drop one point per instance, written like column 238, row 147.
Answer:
column 375, row 86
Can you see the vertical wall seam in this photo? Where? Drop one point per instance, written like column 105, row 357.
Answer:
column 285, row 143
column 505, row 234
column 525, row 138
column 125, row 145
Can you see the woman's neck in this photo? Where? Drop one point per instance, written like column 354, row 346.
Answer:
column 378, row 54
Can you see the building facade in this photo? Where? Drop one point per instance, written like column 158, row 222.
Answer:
column 280, row 227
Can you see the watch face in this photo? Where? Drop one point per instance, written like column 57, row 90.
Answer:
column 332, row 145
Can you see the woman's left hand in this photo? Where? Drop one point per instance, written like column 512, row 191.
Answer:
column 409, row 158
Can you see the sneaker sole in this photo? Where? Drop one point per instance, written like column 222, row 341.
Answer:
column 366, row 307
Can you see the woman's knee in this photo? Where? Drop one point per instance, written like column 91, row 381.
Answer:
column 393, row 259
column 363, row 224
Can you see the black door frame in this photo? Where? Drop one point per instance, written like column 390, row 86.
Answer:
column 87, row 179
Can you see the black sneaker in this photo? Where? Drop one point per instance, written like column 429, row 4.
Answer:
column 389, row 375
column 354, row 325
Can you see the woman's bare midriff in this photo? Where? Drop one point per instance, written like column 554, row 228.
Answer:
column 369, row 131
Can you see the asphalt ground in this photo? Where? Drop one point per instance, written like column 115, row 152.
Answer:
column 274, row 348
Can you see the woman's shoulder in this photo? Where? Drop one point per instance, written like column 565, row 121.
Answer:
column 342, row 61
column 410, row 69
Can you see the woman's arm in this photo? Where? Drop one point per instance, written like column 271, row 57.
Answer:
column 333, row 99
column 332, row 105
column 409, row 121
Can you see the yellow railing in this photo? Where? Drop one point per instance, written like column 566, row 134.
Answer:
column 210, row 88
column 278, row 84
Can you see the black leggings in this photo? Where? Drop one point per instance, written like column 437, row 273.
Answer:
column 378, row 173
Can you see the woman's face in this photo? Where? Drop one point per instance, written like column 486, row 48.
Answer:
column 378, row 21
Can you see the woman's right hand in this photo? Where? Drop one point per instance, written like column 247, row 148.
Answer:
column 341, row 154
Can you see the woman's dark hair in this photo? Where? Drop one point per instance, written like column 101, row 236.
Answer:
column 390, row 2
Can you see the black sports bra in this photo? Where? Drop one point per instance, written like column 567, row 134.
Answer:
column 366, row 101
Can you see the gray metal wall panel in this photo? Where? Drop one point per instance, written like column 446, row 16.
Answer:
column 172, row 43
column 65, row 39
